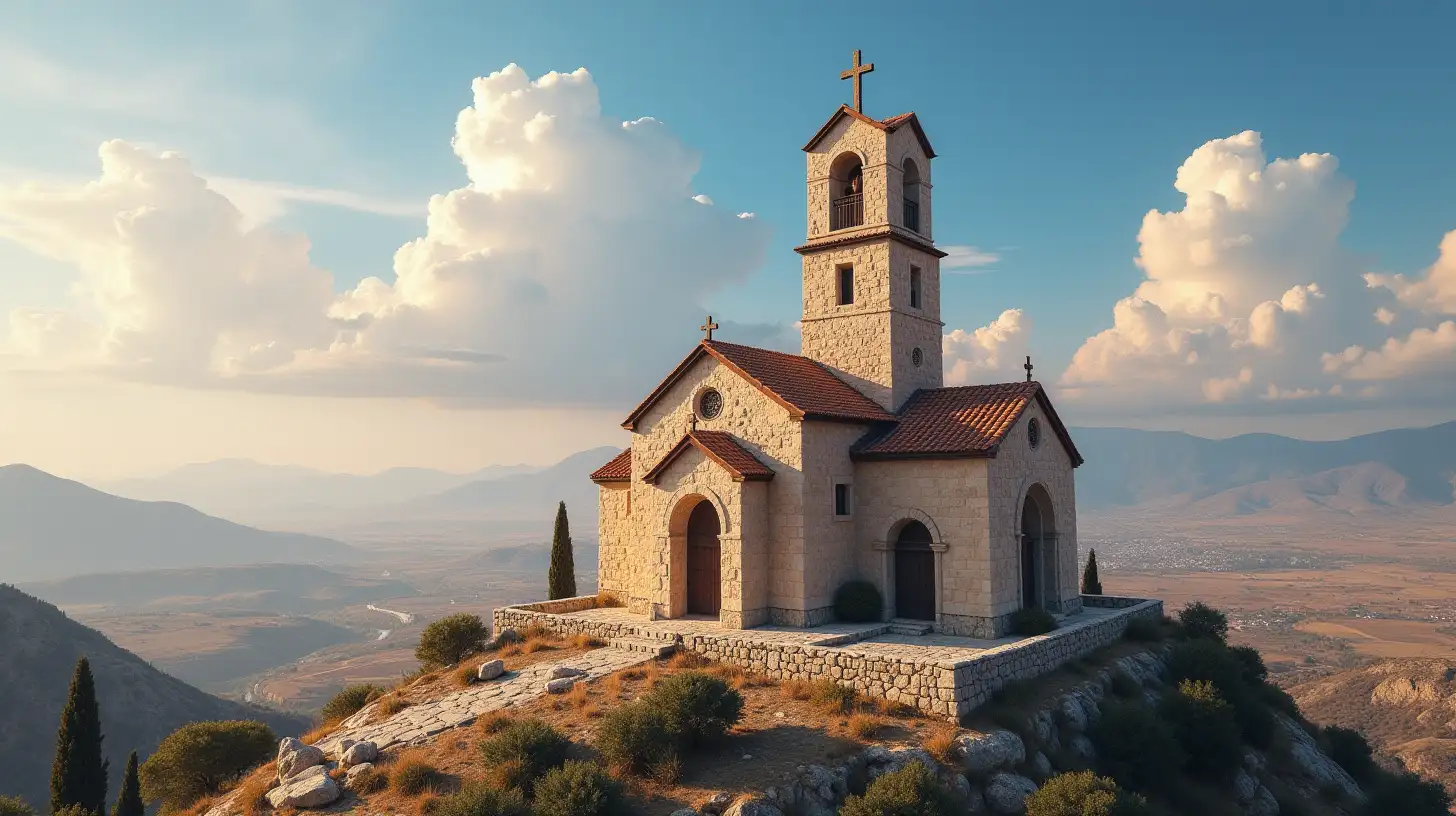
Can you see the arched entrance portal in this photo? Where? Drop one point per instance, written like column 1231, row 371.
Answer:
column 914, row 573
column 1038, row 541
column 705, row 561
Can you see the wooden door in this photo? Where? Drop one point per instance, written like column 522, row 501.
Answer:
column 914, row 574
column 705, row 561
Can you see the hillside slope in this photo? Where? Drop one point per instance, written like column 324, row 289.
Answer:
column 52, row 528
column 139, row 705
column 522, row 496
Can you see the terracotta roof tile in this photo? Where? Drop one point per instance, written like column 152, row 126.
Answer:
column 965, row 421
column 617, row 470
column 722, row 448
column 883, row 124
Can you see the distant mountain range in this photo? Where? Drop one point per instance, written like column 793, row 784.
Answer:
column 139, row 705
column 52, row 528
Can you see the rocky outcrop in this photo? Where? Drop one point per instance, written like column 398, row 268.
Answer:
column 295, row 756
column 311, row 791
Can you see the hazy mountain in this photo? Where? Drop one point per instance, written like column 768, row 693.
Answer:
column 522, row 497
column 139, row 705
column 251, row 492
column 53, row 528
column 535, row 558
column 1125, row 467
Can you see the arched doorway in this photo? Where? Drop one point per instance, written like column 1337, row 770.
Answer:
column 914, row 573
column 1036, row 537
column 705, row 561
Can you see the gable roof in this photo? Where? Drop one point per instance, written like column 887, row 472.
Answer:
column 968, row 421
column 805, row 388
column 722, row 448
column 888, row 125
column 617, row 470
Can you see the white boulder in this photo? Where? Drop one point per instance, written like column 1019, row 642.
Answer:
column 491, row 669
column 560, row 685
column 294, row 756
column 310, row 792
column 359, row 753
column 983, row 753
column 565, row 671
column 1007, row 792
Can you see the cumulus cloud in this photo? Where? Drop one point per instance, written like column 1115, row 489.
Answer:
column 574, row 259
column 1434, row 292
column 992, row 353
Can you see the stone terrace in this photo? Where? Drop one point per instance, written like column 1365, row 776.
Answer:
column 943, row 675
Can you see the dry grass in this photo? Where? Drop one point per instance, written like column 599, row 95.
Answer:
column 898, row 710
column 832, row 697
column 796, row 689
column 865, row 726
column 941, row 744
column 390, row 706
column 319, row 732
column 651, row 675
column 606, row 600
column 613, row 686
column 249, row 798
column 493, row 721
column 412, row 776
column 465, row 673
column 200, row 807
column 586, row 642
column 427, row 803
column 687, row 660
column 536, row 631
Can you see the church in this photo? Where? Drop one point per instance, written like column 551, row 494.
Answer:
column 758, row 482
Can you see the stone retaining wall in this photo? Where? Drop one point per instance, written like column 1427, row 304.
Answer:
column 1110, row 601
column 520, row 617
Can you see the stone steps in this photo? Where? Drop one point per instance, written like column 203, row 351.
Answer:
column 909, row 627
column 652, row 646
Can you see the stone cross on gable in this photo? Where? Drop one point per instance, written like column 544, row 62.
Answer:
column 1028, row 368
column 855, row 73
column 708, row 327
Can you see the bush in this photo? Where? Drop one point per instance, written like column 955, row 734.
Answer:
column 910, row 791
column 522, row 753
column 1201, row 621
column 1207, row 729
column 413, row 777
column 447, row 641
column 199, row 758
column 478, row 799
column 1279, row 700
column 1084, row 794
column 578, row 789
column 1125, row 685
column 1408, row 795
column 1206, row 660
column 1143, row 630
column 696, row 708
column 1136, row 747
column 1255, row 671
column 832, row 697
column 858, row 602
column 369, row 780
column 1032, row 622
column 350, row 700
column 634, row 738
column 74, row 810
column 1349, row 749
column 14, row 806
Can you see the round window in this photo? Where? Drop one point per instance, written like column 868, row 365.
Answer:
column 710, row 404
column 1033, row 432
column 917, row 357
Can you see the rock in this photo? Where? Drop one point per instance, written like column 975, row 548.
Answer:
column 505, row 638
column 1082, row 749
column 756, row 806
column 1041, row 766
column 359, row 753
column 975, row 802
column 310, row 771
column 716, row 805
column 684, row 812
column 1263, row 804
column 983, row 753
column 560, row 685
column 356, row 773
column 1069, row 710
column 961, row 785
column 1044, row 728
column 294, row 756
column 1007, row 792
column 1322, row 771
column 820, row 791
column 491, row 669
column 565, row 671
column 313, row 791
column 1246, row 787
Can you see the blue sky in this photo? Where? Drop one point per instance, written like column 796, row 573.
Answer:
column 1059, row 125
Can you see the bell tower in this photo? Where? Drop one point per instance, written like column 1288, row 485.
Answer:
column 871, row 269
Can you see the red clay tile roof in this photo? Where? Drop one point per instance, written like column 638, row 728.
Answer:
column 967, row 421
column 887, row 125
column 806, row 389
column 722, row 448
column 617, row 470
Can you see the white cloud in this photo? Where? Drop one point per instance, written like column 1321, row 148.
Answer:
column 1435, row 292
column 1384, row 316
column 263, row 201
column 992, row 353
column 1422, row 353
column 574, row 261
column 968, row 259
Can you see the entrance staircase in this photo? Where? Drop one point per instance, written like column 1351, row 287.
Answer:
column 912, row 628
column 646, row 643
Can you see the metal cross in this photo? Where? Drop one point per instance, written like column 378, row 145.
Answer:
column 708, row 327
column 1028, row 368
column 855, row 73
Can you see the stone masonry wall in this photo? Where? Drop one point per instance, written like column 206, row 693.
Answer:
column 614, row 537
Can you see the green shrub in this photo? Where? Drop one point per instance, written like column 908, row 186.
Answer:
column 1084, row 794
column 1350, row 750
column 1206, row 660
column 578, row 789
column 696, row 708
column 858, row 602
column 1406, row 794
column 1143, row 630
column 199, row 758
column 1199, row 620
column 523, row 751
column 1125, row 685
column 1136, row 747
column 14, row 806
column 1255, row 671
column 74, row 810
column 1207, row 729
column 635, row 739
column 1278, row 699
column 447, row 641
column 1028, row 622
column 480, row 799
column 910, row 791
column 1256, row 720
column 413, row 777
column 831, row 696
column 350, row 700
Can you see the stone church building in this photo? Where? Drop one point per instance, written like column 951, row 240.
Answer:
column 758, row 482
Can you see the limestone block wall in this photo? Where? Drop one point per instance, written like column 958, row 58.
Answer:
column 856, row 346
column 869, row 144
column 614, row 536
column 830, row 542
column 1015, row 469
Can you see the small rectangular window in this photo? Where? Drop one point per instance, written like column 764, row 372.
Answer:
column 841, row 500
column 915, row 287
column 846, row 285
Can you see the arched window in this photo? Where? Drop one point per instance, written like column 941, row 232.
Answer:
column 910, row 179
column 846, row 192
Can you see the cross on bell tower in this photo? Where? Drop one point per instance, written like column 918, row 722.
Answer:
column 1028, row 368
column 855, row 73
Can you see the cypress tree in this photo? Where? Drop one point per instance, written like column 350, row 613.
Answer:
column 561, row 578
column 1091, row 584
column 78, row 776
column 129, row 802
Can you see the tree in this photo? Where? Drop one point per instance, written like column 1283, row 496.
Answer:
column 1091, row 584
column 450, row 640
column 14, row 806
column 199, row 758
column 1203, row 621
column 561, row 578
column 129, row 802
column 1084, row 794
column 78, row 776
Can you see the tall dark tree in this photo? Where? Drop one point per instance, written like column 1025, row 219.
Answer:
column 129, row 802
column 561, row 578
column 78, row 776
column 1091, row 584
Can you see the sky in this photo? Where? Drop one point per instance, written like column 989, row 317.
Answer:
column 355, row 236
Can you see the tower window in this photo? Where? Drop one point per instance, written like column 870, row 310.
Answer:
column 917, row 357
column 846, row 285
column 915, row 287
column 842, row 500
